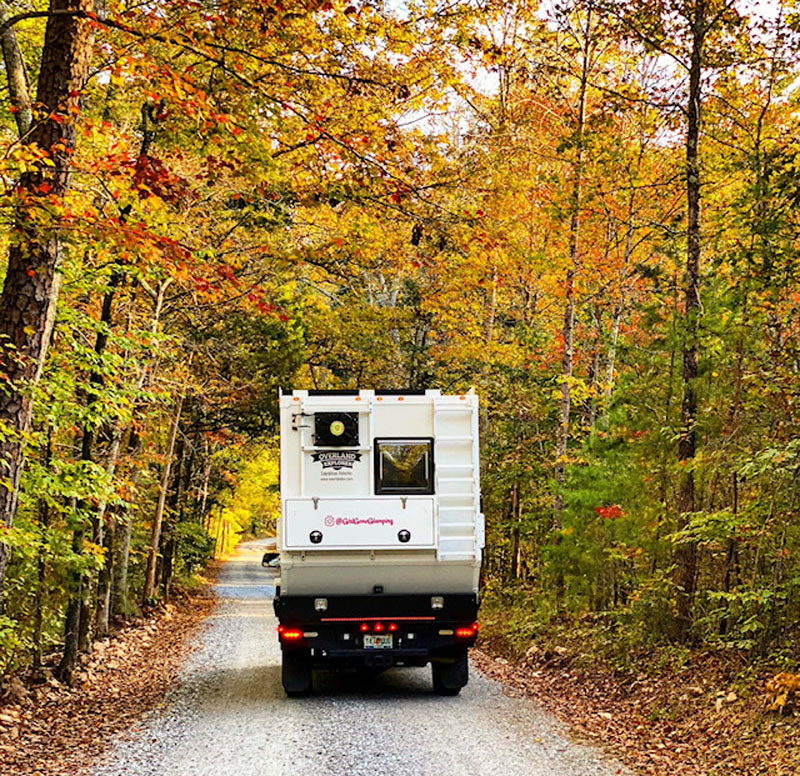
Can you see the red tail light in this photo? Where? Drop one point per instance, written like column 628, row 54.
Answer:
column 291, row 635
column 379, row 627
column 392, row 627
column 364, row 627
column 467, row 633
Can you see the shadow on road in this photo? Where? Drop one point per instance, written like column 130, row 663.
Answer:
column 406, row 683
column 260, row 685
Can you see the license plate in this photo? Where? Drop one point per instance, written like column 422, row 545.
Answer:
column 377, row 641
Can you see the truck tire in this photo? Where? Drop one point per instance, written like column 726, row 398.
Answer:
column 451, row 674
column 296, row 672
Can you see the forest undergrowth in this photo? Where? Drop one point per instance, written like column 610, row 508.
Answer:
column 658, row 708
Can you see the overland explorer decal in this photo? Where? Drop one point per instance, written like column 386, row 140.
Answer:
column 336, row 459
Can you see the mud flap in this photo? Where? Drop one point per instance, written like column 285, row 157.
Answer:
column 451, row 673
column 296, row 672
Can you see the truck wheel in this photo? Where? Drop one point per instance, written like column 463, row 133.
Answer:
column 296, row 672
column 450, row 676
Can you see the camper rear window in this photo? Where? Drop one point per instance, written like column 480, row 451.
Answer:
column 403, row 466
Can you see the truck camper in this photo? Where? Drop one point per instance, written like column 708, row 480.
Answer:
column 380, row 536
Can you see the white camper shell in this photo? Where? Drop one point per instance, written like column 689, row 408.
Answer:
column 381, row 533
column 395, row 500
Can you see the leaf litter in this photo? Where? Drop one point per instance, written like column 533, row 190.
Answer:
column 49, row 729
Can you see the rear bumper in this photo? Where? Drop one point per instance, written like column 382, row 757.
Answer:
column 337, row 633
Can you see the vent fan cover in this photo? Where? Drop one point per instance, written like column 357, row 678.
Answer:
column 336, row 429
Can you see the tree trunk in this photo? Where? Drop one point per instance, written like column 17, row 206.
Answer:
column 73, row 617
column 102, row 610
column 515, row 549
column 169, row 534
column 17, row 76
column 41, row 567
column 590, row 414
column 104, row 581
column 218, row 536
column 203, row 501
column 568, row 330
column 30, row 290
column 732, row 569
column 120, row 595
column 155, row 538
column 686, row 553
column 619, row 307
column 96, row 382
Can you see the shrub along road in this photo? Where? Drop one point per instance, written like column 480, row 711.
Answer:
column 228, row 713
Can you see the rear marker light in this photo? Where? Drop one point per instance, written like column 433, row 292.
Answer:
column 379, row 627
column 392, row 627
column 361, row 619
column 364, row 627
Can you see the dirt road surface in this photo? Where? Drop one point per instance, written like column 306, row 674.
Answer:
column 229, row 715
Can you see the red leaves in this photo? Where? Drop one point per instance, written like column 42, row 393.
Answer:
column 613, row 512
column 151, row 176
column 226, row 272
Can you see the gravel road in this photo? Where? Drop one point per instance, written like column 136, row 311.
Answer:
column 228, row 714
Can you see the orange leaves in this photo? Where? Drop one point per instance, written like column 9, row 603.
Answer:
column 783, row 690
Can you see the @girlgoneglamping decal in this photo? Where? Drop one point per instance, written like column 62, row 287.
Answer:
column 336, row 459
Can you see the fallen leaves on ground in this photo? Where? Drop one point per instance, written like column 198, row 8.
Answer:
column 686, row 724
column 49, row 729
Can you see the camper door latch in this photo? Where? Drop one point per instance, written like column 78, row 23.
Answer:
column 405, row 501
column 315, row 499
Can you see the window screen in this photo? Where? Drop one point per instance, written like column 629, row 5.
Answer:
column 403, row 466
